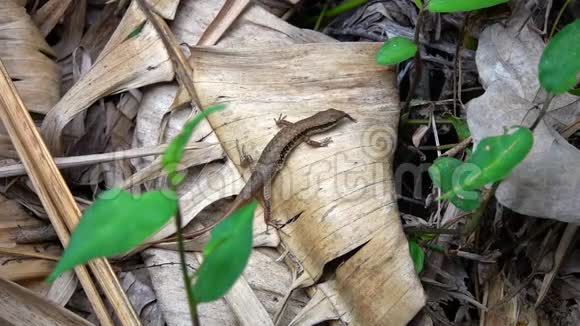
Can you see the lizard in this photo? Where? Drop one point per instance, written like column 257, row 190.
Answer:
column 273, row 158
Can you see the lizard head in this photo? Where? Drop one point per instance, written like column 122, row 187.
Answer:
column 335, row 115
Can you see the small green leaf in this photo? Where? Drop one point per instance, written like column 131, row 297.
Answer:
column 225, row 255
column 560, row 62
column 460, row 126
column 419, row 4
column 137, row 30
column 417, row 255
column 461, row 5
column 174, row 151
column 442, row 172
column 492, row 160
column 396, row 50
column 114, row 224
column 575, row 91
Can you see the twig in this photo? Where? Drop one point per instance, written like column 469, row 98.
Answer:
column 74, row 161
column 182, row 67
column 542, row 112
column 57, row 199
column 558, row 18
column 224, row 19
column 457, row 69
column 458, row 147
column 563, row 246
column 547, row 16
column 417, row 62
column 18, row 252
column 531, row 276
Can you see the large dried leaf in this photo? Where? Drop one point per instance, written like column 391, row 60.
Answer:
column 297, row 81
column 27, row 57
column 125, row 63
column 342, row 193
column 547, row 183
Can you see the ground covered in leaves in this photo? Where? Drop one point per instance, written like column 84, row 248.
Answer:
column 514, row 262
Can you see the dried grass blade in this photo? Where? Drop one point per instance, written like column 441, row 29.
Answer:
column 57, row 199
column 224, row 19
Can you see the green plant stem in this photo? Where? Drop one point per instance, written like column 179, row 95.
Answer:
column 553, row 30
column 417, row 62
column 542, row 112
column 437, row 148
column 475, row 219
column 322, row 13
column 186, row 280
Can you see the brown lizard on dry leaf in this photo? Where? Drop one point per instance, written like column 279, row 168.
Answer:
column 274, row 156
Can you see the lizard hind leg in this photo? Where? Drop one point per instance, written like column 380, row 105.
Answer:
column 323, row 143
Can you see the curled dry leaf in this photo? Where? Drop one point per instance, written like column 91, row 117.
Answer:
column 50, row 14
column 27, row 57
column 124, row 63
column 341, row 194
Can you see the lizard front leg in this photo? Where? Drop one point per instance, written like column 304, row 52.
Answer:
column 246, row 159
column 281, row 122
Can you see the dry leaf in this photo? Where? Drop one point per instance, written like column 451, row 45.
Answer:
column 167, row 282
column 142, row 297
column 506, row 314
column 50, row 14
column 168, row 285
column 18, row 269
column 124, row 63
column 20, row 306
column 341, row 194
column 74, row 26
column 27, row 58
column 419, row 135
column 547, row 183
column 325, row 304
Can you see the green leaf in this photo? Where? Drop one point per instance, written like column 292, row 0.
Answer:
column 174, row 151
column 137, row 30
column 442, row 172
column 396, row 50
column 575, row 91
column 114, row 224
column 460, row 126
column 419, row 4
column 461, row 5
column 560, row 62
column 417, row 255
column 492, row 160
column 225, row 255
